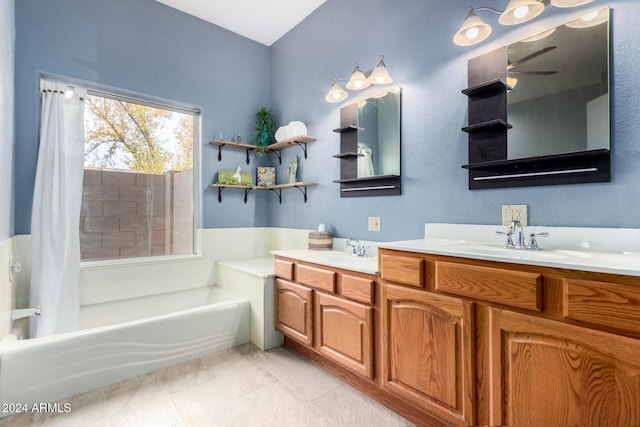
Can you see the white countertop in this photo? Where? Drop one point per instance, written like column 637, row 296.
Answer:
column 333, row 258
column 602, row 250
column 578, row 248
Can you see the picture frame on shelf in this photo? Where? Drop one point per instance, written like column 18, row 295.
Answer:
column 265, row 176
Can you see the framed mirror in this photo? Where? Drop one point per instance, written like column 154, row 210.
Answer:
column 559, row 101
column 379, row 135
column 370, row 146
column 539, row 109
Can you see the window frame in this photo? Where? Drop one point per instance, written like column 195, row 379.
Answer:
column 196, row 247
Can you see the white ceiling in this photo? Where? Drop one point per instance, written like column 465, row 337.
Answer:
column 264, row 21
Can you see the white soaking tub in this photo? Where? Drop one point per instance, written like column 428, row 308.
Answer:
column 124, row 339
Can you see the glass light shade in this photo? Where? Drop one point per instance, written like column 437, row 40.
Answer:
column 380, row 75
column 519, row 11
column 512, row 82
column 590, row 19
column 569, row 3
column 336, row 93
column 358, row 80
column 473, row 30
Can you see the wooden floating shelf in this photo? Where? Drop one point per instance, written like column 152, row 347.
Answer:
column 300, row 140
column 302, row 186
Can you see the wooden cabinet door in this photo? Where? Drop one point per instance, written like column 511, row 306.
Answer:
column 294, row 311
column 547, row 373
column 344, row 333
column 429, row 352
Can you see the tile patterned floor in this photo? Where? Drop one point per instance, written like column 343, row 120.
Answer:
column 239, row 387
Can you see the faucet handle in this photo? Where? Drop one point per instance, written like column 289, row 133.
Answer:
column 533, row 243
column 509, row 241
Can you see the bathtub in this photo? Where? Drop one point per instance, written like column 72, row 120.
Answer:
column 121, row 340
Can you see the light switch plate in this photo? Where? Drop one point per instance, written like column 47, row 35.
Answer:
column 514, row 213
column 374, row 223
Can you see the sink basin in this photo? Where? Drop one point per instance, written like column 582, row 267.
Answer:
column 477, row 248
column 343, row 258
column 340, row 258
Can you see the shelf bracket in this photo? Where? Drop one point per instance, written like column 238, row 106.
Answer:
column 303, row 190
column 279, row 154
column 302, row 145
column 278, row 191
column 246, row 193
column 220, row 153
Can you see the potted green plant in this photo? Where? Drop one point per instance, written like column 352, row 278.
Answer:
column 265, row 130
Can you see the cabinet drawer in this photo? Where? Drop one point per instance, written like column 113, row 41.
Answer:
column 283, row 269
column 407, row 270
column 515, row 288
column 357, row 288
column 602, row 303
column 318, row 278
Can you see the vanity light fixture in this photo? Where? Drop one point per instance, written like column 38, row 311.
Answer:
column 336, row 93
column 519, row 11
column 380, row 75
column 474, row 29
column 359, row 80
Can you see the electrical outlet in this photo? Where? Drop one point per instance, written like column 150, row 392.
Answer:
column 514, row 213
column 374, row 223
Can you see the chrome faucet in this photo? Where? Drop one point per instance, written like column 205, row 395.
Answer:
column 357, row 249
column 516, row 231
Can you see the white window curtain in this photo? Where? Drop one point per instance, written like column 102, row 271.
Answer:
column 57, row 198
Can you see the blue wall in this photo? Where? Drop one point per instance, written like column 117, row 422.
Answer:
column 416, row 39
column 142, row 47
column 145, row 47
column 7, row 51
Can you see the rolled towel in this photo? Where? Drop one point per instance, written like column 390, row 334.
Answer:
column 293, row 129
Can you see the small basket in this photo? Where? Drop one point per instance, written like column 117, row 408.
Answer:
column 320, row 240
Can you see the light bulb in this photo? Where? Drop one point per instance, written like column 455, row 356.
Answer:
column 336, row 95
column 472, row 33
column 521, row 12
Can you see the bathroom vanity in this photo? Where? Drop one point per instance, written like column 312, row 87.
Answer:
column 329, row 310
column 449, row 334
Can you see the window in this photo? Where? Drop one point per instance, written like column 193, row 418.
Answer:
column 138, row 191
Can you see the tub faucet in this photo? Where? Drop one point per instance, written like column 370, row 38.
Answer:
column 357, row 249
